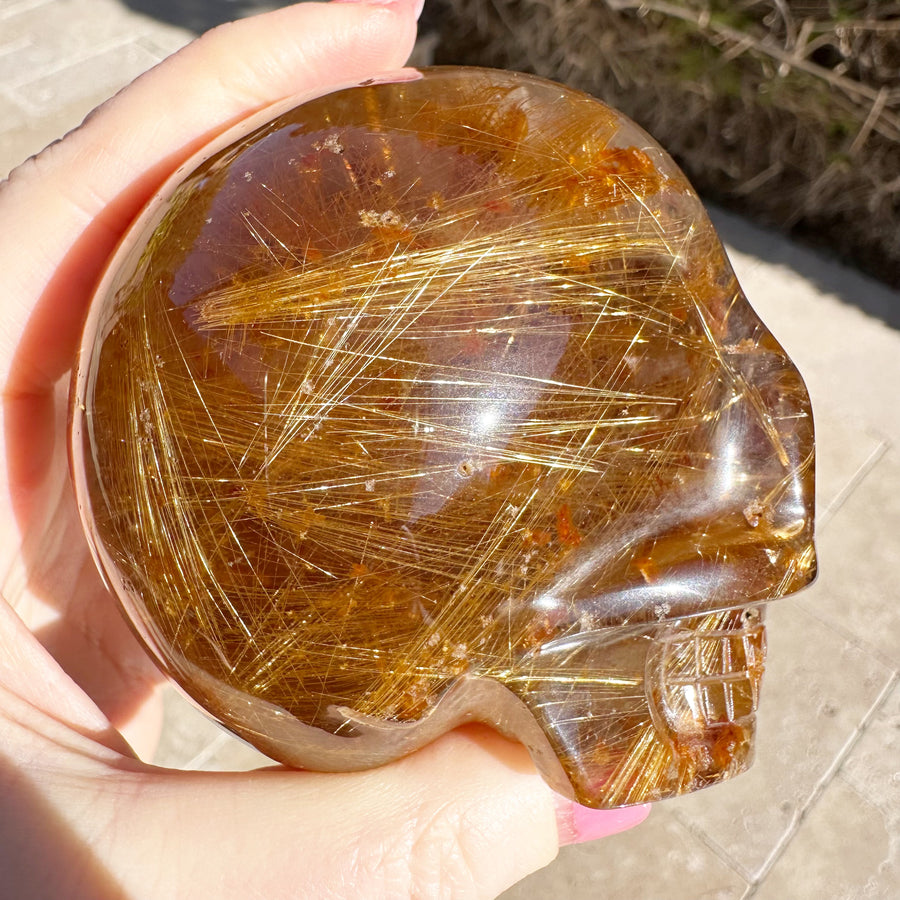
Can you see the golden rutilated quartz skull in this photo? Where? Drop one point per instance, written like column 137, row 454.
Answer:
column 435, row 400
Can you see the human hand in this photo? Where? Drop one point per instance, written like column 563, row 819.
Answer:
column 81, row 815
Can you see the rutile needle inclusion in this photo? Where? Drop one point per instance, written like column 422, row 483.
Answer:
column 436, row 400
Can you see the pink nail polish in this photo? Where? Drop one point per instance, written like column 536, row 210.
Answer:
column 369, row 2
column 578, row 824
column 418, row 5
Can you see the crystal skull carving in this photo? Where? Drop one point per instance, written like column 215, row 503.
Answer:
column 435, row 400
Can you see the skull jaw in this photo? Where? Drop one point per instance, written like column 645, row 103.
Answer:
column 671, row 710
column 659, row 710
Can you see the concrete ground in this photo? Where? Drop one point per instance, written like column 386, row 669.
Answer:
column 818, row 816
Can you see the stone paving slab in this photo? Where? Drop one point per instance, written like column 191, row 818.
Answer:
column 61, row 58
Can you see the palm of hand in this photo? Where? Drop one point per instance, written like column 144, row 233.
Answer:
column 53, row 585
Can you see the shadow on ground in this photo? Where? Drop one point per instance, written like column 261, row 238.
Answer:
column 829, row 275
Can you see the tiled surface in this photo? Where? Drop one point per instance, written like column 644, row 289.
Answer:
column 818, row 816
column 855, row 566
column 60, row 58
column 873, row 765
column 660, row 860
column 845, row 848
column 192, row 741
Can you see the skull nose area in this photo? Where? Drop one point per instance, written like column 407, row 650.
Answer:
column 653, row 711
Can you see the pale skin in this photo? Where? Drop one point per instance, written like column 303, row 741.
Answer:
column 82, row 815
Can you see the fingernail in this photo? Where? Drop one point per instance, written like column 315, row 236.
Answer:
column 418, row 5
column 578, row 824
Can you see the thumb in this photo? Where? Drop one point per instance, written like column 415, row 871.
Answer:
column 466, row 817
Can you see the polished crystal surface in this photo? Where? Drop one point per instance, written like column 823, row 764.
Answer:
column 434, row 400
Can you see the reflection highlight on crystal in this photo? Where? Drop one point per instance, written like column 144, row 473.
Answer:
column 436, row 400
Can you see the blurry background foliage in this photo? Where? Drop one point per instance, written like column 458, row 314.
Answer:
column 786, row 110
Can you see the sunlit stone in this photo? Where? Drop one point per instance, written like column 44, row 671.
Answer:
column 435, row 400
